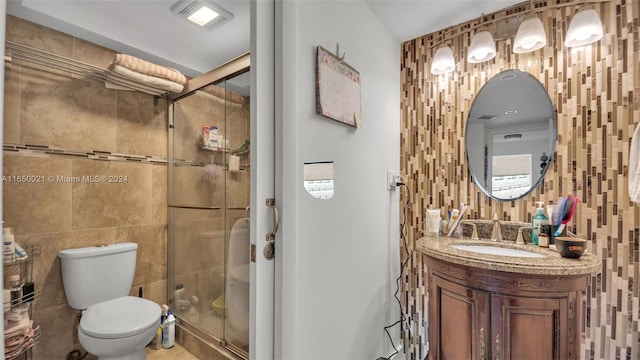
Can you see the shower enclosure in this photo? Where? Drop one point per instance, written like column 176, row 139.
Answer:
column 208, row 231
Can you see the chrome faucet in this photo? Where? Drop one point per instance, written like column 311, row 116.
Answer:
column 474, row 234
column 496, row 233
column 519, row 238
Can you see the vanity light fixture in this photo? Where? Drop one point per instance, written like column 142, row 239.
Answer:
column 585, row 28
column 482, row 47
column 530, row 36
column 443, row 61
column 203, row 13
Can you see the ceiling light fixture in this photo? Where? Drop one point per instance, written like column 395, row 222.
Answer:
column 530, row 36
column 482, row 47
column 204, row 13
column 202, row 16
column 585, row 28
column 443, row 61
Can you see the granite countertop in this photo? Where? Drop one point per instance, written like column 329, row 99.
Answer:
column 551, row 263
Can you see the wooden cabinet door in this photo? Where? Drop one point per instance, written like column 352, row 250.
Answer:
column 459, row 322
column 528, row 328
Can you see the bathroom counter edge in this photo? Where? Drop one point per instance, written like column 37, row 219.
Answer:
column 551, row 263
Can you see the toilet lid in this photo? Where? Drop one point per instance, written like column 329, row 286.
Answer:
column 121, row 317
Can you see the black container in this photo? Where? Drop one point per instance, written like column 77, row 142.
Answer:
column 550, row 230
column 27, row 291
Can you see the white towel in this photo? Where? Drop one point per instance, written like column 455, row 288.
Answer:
column 147, row 79
column 634, row 167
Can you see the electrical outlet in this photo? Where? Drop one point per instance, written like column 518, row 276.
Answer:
column 392, row 177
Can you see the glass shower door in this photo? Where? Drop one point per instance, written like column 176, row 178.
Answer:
column 209, row 200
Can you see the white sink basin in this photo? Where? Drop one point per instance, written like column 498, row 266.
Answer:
column 496, row 250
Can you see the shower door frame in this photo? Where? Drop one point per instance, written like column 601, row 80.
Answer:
column 228, row 70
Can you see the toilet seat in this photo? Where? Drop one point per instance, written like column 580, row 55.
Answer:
column 120, row 317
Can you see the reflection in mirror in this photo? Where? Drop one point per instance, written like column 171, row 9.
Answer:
column 318, row 179
column 510, row 135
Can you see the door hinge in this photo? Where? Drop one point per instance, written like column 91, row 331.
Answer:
column 253, row 253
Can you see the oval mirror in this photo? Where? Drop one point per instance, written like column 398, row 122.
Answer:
column 511, row 135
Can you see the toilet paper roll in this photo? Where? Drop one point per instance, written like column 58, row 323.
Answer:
column 234, row 163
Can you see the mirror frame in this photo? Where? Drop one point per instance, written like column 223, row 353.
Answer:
column 550, row 154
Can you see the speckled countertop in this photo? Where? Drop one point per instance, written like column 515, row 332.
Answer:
column 550, row 264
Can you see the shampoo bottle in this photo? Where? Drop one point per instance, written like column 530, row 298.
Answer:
column 537, row 222
column 9, row 244
column 169, row 331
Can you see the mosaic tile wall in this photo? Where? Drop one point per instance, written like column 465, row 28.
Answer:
column 596, row 91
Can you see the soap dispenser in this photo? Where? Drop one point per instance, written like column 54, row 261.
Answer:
column 537, row 222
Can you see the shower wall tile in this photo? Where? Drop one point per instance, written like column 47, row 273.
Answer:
column 199, row 186
column 91, row 53
column 159, row 194
column 12, row 103
column 596, row 92
column 107, row 204
column 141, row 124
column 39, row 37
column 66, row 112
column 91, row 237
column 152, row 251
column 36, row 207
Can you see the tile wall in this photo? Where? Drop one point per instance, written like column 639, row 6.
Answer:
column 77, row 128
column 596, row 92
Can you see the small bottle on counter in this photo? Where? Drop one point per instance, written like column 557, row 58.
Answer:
column 543, row 240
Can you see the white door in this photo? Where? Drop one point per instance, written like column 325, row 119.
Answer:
column 262, row 178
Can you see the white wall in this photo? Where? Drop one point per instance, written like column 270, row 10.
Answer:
column 337, row 259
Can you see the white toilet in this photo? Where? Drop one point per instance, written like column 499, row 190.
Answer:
column 98, row 279
column 237, row 284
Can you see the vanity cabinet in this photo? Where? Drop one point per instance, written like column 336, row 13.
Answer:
column 487, row 314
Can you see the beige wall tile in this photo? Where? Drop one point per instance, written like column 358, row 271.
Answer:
column 36, row 207
column 151, row 262
column 192, row 186
column 92, row 54
column 141, row 124
column 47, row 274
column 91, row 237
column 39, row 37
column 66, row 112
column 159, row 194
column 111, row 204
column 12, row 103
column 58, row 332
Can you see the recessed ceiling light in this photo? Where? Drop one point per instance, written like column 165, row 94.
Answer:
column 511, row 112
column 203, row 16
column 204, row 13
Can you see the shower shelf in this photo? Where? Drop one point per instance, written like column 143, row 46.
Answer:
column 96, row 74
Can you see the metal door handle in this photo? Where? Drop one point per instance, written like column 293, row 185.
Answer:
column 276, row 219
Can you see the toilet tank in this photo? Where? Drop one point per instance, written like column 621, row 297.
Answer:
column 94, row 274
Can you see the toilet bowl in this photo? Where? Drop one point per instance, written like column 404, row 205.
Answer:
column 119, row 328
